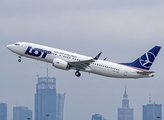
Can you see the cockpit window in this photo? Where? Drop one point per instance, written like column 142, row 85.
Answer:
column 17, row 44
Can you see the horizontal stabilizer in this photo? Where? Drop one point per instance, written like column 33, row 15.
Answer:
column 148, row 72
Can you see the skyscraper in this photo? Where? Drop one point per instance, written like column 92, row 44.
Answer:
column 125, row 113
column 60, row 106
column 97, row 117
column 21, row 113
column 45, row 99
column 3, row 111
column 152, row 112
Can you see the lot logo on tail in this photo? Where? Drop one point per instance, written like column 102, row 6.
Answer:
column 147, row 59
column 36, row 52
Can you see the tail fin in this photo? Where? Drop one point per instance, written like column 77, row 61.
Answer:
column 146, row 60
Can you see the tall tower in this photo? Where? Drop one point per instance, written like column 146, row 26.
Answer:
column 45, row 98
column 60, row 106
column 125, row 113
column 152, row 111
column 3, row 111
column 21, row 113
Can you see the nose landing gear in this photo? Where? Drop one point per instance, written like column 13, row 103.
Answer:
column 77, row 73
column 19, row 60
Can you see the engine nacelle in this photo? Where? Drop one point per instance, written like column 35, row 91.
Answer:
column 61, row 64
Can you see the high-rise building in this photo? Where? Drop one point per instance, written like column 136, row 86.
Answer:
column 3, row 111
column 98, row 117
column 152, row 112
column 125, row 112
column 60, row 106
column 45, row 99
column 21, row 113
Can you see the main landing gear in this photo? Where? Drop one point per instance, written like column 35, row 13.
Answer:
column 19, row 60
column 77, row 73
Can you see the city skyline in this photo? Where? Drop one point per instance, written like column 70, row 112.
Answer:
column 60, row 98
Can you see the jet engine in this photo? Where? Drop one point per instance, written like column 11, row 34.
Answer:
column 61, row 64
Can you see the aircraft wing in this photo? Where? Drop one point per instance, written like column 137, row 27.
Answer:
column 81, row 65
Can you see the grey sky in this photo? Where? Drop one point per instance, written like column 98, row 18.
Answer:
column 122, row 30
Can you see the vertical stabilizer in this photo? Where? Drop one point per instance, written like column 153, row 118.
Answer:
column 146, row 60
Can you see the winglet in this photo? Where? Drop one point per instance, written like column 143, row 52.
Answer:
column 97, row 57
column 105, row 59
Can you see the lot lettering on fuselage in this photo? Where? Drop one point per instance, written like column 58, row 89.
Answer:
column 36, row 52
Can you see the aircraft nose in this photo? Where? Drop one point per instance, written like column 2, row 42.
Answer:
column 10, row 47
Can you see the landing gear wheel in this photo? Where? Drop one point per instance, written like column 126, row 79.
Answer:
column 77, row 73
column 19, row 60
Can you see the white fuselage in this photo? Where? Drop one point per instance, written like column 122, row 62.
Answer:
column 100, row 67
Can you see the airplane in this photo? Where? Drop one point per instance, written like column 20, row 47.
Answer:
column 68, row 60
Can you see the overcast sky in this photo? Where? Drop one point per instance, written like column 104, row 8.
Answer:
column 122, row 30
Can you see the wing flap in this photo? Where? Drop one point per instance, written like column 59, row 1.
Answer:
column 81, row 65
